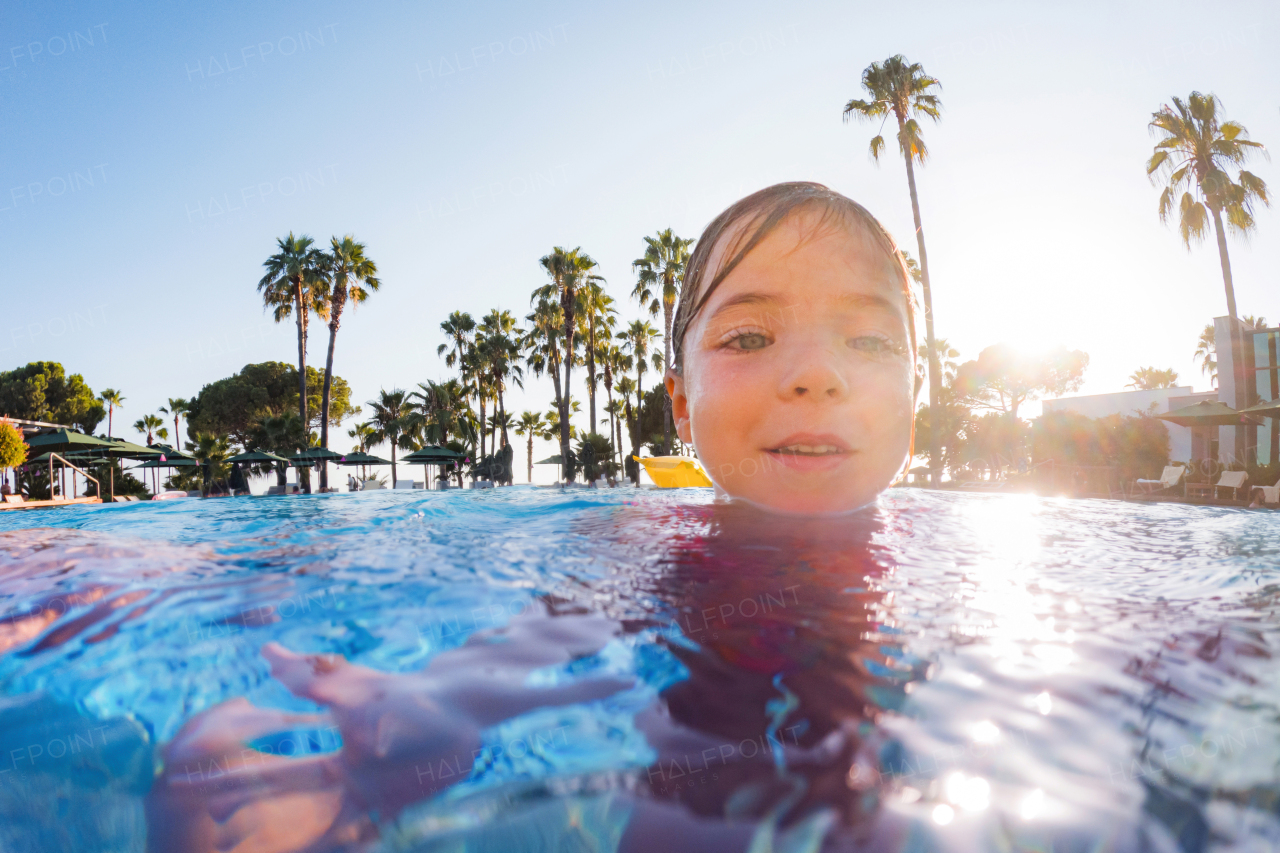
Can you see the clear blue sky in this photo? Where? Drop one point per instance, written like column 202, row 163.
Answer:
column 154, row 153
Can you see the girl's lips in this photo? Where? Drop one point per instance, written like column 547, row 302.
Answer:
column 811, row 452
column 810, row 462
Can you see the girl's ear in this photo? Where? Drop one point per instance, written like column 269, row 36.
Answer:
column 679, row 406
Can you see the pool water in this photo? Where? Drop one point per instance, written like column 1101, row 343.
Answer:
column 527, row 669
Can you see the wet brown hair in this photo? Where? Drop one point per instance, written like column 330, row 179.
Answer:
column 753, row 218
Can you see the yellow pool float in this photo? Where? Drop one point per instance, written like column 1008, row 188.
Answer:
column 674, row 472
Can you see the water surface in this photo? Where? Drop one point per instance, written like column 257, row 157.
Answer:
column 638, row 670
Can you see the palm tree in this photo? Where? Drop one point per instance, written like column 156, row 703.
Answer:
column 112, row 398
column 1193, row 158
column 627, row 387
column 363, row 434
column 614, row 363
column 146, row 424
column 459, row 327
column 902, row 89
column 352, row 276
column 568, row 269
column 501, row 348
column 295, row 285
column 637, row 340
column 1207, row 350
column 211, row 451
column 945, row 355
column 661, row 275
column 1150, row 379
column 532, row 425
column 1206, row 353
column 389, row 421
column 177, row 408
column 596, row 309
column 499, row 421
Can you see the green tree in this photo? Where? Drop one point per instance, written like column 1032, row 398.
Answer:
column 111, row 398
column 390, row 422
column 351, row 276
column 233, row 405
column 41, row 391
column 1150, row 379
column 1003, row 378
column 533, row 426
column 1194, row 158
column 660, row 278
column 280, row 434
column 542, row 345
column 901, row 89
column 295, row 285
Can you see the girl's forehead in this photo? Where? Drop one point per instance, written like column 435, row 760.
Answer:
column 813, row 259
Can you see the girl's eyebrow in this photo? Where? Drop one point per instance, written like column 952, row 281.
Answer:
column 861, row 301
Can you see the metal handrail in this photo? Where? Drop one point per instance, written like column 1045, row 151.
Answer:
column 74, row 467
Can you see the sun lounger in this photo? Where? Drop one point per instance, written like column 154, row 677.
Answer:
column 1233, row 481
column 1270, row 494
column 14, row 499
column 1170, row 478
column 404, row 484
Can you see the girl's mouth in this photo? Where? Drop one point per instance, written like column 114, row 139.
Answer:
column 808, row 450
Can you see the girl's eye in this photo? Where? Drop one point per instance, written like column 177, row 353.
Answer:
column 749, row 341
column 872, row 345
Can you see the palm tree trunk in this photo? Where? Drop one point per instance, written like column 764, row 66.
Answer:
column 482, row 428
column 324, row 395
column 302, row 353
column 568, row 367
column 666, row 364
column 591, row 367
column 1241, row 393
column 502, row 416
column 935, row 376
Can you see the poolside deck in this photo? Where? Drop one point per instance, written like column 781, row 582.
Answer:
column 47, row 504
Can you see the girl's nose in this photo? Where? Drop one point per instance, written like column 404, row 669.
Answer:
column 814, row 373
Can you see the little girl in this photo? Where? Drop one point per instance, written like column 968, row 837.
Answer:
column 793, row 377
column 793, row 367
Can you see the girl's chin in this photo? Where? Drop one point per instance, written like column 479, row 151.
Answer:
column 816, row 504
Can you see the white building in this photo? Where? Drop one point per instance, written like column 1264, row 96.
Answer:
column 1185, row 443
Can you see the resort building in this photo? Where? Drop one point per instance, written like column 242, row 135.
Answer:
column 1185, row 443
column 1257, row 379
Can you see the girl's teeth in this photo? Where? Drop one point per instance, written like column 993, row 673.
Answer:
column 810, row 449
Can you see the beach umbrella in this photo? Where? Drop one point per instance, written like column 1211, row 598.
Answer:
column 1207, row 413
column 1265, row 409
column 63, row 441
column 360, row 458
column 432, row 455
column 312, row 455
column 260, row 456
column 556, row 460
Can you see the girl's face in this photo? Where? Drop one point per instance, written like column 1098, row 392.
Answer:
column 797, row 379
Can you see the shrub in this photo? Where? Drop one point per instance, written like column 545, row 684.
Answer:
column 13, row 450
